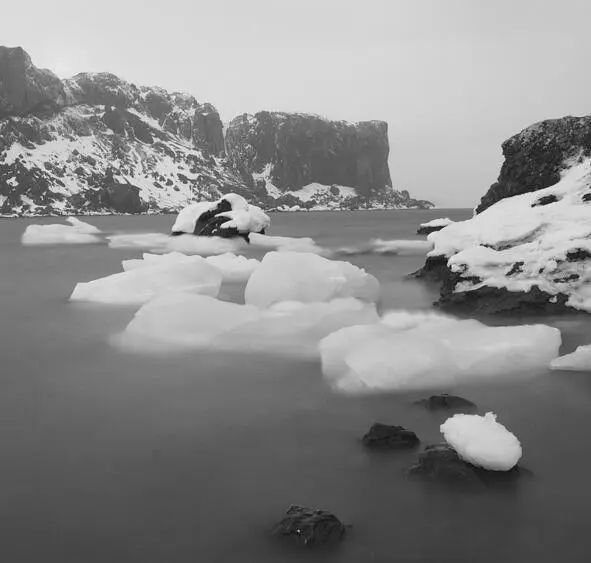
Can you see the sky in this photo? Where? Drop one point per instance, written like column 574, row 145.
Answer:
column 453, row 78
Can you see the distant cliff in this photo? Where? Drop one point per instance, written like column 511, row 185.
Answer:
column 95, row 143
column 535, row 157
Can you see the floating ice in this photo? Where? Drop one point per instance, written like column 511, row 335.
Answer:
column 287, row 244
column 305, row 277
column 407, row 351
column 482, row 441
column 232, row 267
column 187, row 244
column 579, row 360
column 77, row 232
column 380, row 246
column 138, row 285
column 181, row 320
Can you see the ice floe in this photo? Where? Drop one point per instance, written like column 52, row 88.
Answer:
column 380, row 246
column 579, row 360
column 137, row 285
column 482, row 441
column 412, row 351
column 77, row 232
column 308, row 278
column 185, row 321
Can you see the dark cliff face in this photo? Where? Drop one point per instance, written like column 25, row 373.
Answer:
column 24, row 87
column 535, row 156
column 303, row 149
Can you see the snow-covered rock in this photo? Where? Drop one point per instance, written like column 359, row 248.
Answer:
column 579, row 360
column 309, row 278
column 227, row 217
column 181, row 320
column 526, row 253
column 433, row 226
column 482, row 441
column 77, row 232
column 412, row 351
column 96, row 144
column 137, row 285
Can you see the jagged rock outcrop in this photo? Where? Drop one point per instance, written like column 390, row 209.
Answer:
column 95, row 143
column 535, row 157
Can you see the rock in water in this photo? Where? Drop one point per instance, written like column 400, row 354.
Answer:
column 231, row 216
column 310, row 526
column 445, row 402
column 433, row 226
column 386, row 437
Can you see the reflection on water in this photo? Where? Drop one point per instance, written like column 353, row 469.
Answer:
column 108, row 456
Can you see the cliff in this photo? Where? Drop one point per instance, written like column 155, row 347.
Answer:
column 96, row 143
column 535, row 157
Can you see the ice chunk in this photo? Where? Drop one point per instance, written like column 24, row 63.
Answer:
column 287, row 244
column 482, row 441
column 380, row 246
column 232, row 267
column 77, row 232
column 305, row 277
column 250, row 220
column 420, row 351
column 187, row 244
column 193, row 321
column 579, row 360
column 139, row 285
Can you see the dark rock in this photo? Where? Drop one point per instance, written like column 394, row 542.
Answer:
column 208, row 130
column 535, row 157
column 440, row 464
column 446, row 402
column 24, row 88
column 428, row 230
column 587, row 197
column 311, row 527
column 122, row 198
column 545, row 200
column 578, row 255
column 517, row 268
column 383, row 436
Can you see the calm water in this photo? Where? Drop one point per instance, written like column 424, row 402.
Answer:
column 109, row 457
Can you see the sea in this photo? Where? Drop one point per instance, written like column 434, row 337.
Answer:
column 109, row 456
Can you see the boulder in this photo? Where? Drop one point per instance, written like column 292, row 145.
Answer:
column 310, row 527
column 446, row 402
column 386, row 437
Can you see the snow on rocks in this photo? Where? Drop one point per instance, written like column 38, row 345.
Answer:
column 413, row 351
column 77, row 232
column 434, row 225
column 308, row 278
column 229, row 216
column 182, row 320
column 482, row 441
column 579, row 360
column 137, row 285
column 537, row 242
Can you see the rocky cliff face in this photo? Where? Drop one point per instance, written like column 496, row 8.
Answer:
column 95, row 143
column 535, row 157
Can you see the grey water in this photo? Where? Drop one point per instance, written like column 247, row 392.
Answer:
column 111, row 457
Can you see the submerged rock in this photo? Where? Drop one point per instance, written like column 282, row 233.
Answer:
column 441, row 464
column 386, row 437
column 310, row 526
column 445, row 402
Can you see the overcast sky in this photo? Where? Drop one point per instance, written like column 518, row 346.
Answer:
column 453, row 78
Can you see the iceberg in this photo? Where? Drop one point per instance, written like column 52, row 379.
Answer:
column 77, row 232
column 308, row 278
column 579, row 360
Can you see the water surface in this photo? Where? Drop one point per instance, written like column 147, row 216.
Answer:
column 110, row 457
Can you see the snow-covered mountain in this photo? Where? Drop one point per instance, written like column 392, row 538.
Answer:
column 95, row 143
